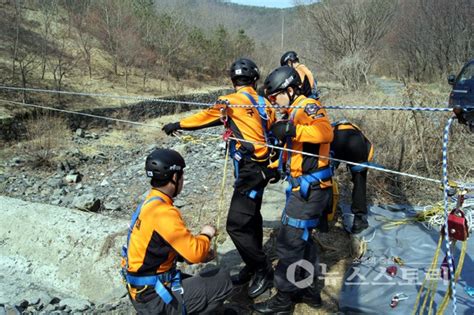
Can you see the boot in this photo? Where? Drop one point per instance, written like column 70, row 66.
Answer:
column 360, row 224
column 309, row 297
column 280, row 304
column 261, row 281
column 244, row 276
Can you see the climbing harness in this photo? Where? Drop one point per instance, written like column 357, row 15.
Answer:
column 159, row 281
column 241, row 153
column 302, row 182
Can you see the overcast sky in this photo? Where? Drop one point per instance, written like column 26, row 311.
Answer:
column 267, row 3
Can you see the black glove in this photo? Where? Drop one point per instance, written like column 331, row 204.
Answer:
column 283, row 129
column 272, row 175
column 171, row 128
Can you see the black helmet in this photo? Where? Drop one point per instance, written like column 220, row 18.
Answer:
column 280, row 79
column 244, row 71
column 288, row 56
column 162, row 164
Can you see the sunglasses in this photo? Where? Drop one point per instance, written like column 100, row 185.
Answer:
column 272, row 97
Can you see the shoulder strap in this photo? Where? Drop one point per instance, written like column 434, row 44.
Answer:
column 260, row 106
column 135, row 216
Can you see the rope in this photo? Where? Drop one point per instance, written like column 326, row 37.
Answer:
column 446, row 209
column 221, row 203
column 377, row 168
column 168, row 101
column 80, row 114
column 444, row 303
column 433, row 265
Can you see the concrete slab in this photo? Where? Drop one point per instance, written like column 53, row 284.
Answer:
column 58, row 250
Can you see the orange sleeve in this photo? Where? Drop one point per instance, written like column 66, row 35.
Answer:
column 172, row 228
column 313, row 125
column 206, row 118
column 304, row 71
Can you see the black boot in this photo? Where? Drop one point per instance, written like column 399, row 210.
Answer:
column 360, row 224
column 261, row 281
column 279, row 304
column 309, row 297
column 244, row 276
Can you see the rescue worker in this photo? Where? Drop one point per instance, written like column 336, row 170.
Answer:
column 158, row 238
column 290, row 58
column 309, row 192
column 244, row 220
column 350, row 144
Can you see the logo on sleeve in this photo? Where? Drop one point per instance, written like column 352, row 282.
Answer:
column 312, row 111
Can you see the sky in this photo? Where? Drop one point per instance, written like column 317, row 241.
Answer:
column 266, row 3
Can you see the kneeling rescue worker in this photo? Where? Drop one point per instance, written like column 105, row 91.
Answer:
column 158, row 238
column 309, row 192
column 244, row 220
column 350, row 144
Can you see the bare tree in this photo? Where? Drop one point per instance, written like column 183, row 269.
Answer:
column 18, row 19
column 49, row 11
column 27, row 63
column 349, row 34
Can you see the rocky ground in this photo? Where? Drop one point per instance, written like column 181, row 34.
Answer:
column 102, row 171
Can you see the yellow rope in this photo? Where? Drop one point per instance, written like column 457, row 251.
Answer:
column 434, row 262
column 421, row 216
column 431, row 289
column 195, row 140
column 221, row 202
column 448, row 294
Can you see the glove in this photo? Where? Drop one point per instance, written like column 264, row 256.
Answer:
column 272, row 175
column 171, row 128
column 283, row 129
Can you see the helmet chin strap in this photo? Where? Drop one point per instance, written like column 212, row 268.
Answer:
column 290, row 97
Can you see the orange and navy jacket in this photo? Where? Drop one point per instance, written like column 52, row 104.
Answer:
column 313, row 135
column 159, row 236
column 303, row 71
column 245, row 123
column 345, row 125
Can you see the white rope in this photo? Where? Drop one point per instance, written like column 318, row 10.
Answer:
column 377, row 168
column 169, row 101
column 79, row 113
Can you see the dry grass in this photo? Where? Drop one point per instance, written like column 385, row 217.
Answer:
column 47, row 135
column 408, row 142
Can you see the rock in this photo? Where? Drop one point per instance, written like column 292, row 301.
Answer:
column 9, row 310
column 22, row 305
column 55, row 182
column 87, row 202
column 80, row 133
column 73, row 178
column 55, row 300
column 64, row 166
column 112, row 205
column 105, row 182
column 76, row 304
column 49, row 309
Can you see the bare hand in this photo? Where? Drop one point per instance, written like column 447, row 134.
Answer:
column 208, row 230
